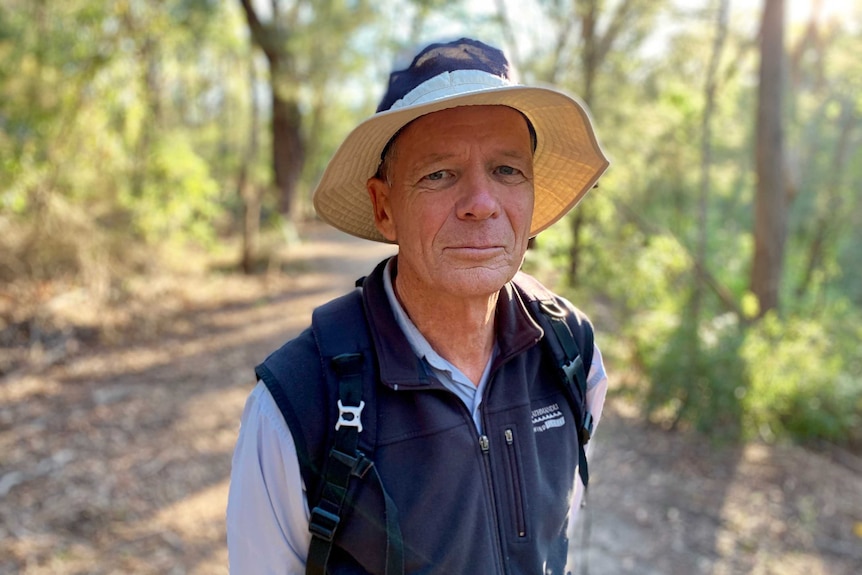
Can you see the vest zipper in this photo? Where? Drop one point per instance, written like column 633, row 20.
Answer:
column 515, row 478
column 485, row 447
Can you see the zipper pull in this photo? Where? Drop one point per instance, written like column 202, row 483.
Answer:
column 484, row 443
column 510, row 437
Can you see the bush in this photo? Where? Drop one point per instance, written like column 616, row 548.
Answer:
column 695, row 374
column 796, row 379
column 180, row 198
column 806, row 378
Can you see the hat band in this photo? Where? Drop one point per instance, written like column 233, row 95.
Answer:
column 450, row 84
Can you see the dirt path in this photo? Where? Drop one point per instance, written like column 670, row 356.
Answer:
column 116, row 459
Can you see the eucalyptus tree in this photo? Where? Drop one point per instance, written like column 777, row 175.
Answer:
column 770, row 218
column 305, row 44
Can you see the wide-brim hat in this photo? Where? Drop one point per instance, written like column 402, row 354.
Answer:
column 567, row 161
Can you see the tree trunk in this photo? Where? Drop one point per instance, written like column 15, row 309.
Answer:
column 770, row 215
column 288, row 146
column 590, row 61
column 249, row 192
column 152, row 93
column 250, row 225
column 288, row 149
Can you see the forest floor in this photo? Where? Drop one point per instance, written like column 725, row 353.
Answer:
column 117, row 427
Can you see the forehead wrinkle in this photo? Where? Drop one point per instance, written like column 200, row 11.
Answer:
column 436, row 157
column 438, row 147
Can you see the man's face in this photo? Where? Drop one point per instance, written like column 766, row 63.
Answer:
column 459, row 200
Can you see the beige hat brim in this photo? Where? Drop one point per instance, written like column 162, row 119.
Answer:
column 567, row 163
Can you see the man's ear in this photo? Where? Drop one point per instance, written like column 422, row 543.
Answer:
column 379, row 192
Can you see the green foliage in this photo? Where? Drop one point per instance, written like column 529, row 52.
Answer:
column 799, row 377
column 101, row 133
column 692, row 369
column 705, row 367
column 179, row 198
column 696, row 376
column 805, row 377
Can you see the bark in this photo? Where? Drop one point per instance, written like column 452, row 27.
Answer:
column 590, row 63
column 288, row 145
column 148, row 53
column 288, row 148
column 248, row 191
column 770, row 217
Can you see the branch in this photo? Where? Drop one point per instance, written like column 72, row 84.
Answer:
column 614, row 28
column 260, row 32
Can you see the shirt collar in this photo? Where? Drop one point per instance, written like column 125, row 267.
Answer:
column 417, row 341
column 401, row 358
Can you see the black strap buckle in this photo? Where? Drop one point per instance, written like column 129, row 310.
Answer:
column 323, row 523
column 573, row 370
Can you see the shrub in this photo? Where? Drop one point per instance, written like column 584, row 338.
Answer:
column 806, row 378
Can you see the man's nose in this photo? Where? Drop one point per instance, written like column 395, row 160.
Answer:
column 478, row 200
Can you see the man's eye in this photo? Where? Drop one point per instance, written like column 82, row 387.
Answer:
column 436, row 176
column 507, row 171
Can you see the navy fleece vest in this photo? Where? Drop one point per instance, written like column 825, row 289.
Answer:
column 485, row 505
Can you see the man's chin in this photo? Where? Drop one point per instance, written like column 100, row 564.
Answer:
column 477, row 280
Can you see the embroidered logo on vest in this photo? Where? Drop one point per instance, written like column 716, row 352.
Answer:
column 546, row 418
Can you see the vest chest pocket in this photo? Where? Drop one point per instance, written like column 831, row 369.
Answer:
column 515, row 484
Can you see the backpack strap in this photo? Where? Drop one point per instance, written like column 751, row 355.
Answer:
column 341, row 332
column 572, row 370
column 560, row 325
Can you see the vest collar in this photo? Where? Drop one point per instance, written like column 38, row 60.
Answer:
column 515, row 328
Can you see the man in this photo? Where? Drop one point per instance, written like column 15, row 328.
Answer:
column 439, row 368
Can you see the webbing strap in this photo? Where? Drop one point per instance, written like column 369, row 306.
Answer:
column 573, row 372
column 346, row 461
column 343, row 462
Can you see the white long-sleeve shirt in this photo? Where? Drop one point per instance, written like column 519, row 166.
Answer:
column 267, row 511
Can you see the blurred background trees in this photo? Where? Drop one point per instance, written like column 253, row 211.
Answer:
column 721, row 256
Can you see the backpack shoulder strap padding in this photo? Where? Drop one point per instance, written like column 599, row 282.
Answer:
column 569, row 337
column 340, row 329
column 323, row 383
column 301, row 377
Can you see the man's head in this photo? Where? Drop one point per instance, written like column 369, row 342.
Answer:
column 456, row 195
column 567, row 160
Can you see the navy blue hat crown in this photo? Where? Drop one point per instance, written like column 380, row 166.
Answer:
column 463, row 54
